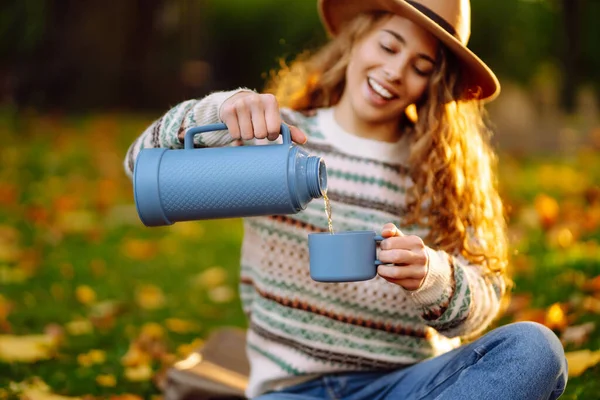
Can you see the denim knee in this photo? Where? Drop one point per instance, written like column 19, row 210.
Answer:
column 537, row 347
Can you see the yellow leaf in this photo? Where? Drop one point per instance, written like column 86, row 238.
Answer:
column 181, row 326
column 39, row 394
column 79, row 327
column 135, row 356
column 140, row 373
column 107, row 380
column 547, row 209
column 186, row 349
column 221, row 294
column 581, row 360
column 150, row 297
column 192, row 230
column 76, row 221
column 211, row 277
column 85, row 294
column 27, row 349
column 555, row 317
column 152, row 331
column 12, row 275
column 92, row 357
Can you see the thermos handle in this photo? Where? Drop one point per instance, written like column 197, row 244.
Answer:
column 188, row 140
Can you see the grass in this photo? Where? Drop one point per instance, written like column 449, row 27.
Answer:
column 120, row 302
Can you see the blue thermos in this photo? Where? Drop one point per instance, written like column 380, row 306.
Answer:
column 172, row 185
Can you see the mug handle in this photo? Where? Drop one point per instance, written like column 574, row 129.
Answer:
column 378, row 239
column 188, row 139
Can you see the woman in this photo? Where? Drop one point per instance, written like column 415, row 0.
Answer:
column 393, row 104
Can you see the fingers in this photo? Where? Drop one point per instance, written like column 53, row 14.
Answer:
column 402, row 257
column 390, row 230
column 251, row 115
column 244, row 117
column 398, row 272
column 411, row 242
column 297, row 135
column 272, row 117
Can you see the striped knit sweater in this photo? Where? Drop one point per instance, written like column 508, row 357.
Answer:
column 299, row 328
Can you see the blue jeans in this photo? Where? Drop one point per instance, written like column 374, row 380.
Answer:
column 520, row 361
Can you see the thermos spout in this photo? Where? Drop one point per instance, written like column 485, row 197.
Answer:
column 316, row 177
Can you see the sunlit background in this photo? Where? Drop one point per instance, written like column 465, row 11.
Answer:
column 93, row 304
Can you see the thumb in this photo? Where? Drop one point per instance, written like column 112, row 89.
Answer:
column 297, row 135
column 390, row 230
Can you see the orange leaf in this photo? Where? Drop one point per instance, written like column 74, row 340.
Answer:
column 137, row 249
column 593, row 284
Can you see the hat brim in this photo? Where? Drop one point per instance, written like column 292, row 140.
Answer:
column 480, row 81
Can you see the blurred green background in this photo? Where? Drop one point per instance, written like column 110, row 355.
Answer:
column 93, row 304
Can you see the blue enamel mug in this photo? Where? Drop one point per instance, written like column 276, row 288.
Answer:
column 344, row 256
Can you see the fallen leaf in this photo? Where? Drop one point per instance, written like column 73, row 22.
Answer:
column 547, row 209
column 211, row 277
column 92, row 357
column 181, row 326
column 593, row 285
column 151, row 331
column 76, row 221
column 28, row 349
column 221, row 294
column 150, row 297
column 135, row 356
column 139, row 373
column 85, row 294
column 186, row 349
column 555, row 317
column 79, row 327
column 107, row 380
column 126, row 396
column 138, row 249
column 10, row 275
column 591, row 304
column 581, row 360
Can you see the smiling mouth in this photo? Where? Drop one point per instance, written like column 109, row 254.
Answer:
column 380, row 90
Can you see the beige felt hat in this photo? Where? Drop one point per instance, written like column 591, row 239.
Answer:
column 448, row 20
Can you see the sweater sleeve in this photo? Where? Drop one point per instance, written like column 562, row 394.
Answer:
column 458, row 298
column 164, row 131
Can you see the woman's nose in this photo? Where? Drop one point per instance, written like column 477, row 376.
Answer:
column 394, row 70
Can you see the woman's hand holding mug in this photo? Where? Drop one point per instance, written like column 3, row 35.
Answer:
column 250, row 115
column 407, row 253
column 352, row 256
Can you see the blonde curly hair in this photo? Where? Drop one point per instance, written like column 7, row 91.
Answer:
column 450, row 150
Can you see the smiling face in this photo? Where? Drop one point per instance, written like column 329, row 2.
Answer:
column 389, row 69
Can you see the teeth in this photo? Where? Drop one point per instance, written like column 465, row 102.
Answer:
column 380, row 90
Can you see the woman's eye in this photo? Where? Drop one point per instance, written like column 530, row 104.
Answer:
column 387, row 49
column 421, row 72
